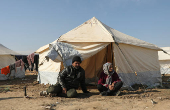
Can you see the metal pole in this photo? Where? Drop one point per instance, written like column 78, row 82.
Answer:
column 25, row 92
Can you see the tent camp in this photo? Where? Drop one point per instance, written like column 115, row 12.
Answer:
column 135, row 61
column 7, row 57
column 164, row 60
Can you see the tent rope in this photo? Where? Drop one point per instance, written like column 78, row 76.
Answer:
column 165, row 52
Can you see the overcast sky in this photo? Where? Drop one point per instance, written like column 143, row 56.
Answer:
column 26, row 25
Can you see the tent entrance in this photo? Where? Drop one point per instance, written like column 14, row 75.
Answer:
column 109, row 57
column 93, row 66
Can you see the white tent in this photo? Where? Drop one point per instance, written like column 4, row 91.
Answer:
column 164, row 60
column 7, row 57
column 135, row 61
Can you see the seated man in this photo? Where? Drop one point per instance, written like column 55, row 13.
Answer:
column 109, row 82
column 69, row 80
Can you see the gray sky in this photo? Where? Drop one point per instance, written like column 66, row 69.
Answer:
column 26, row 25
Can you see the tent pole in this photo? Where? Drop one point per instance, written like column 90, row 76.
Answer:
column 112, row 52
column 113, row 60
column 95, row 72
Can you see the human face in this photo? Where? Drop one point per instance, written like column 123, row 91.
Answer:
column 111, row 68
column 76, row 64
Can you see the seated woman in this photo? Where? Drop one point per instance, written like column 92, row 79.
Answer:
column 109, row 82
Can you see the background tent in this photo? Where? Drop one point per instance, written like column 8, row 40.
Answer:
column 135, row 61
column 7, row 57
column 164, row 60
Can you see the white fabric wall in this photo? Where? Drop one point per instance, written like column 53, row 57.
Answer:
column 143, row 61
column 45, row 77
column 6, row 60
column 49, row 70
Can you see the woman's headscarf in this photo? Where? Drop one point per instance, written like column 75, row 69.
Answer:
column 106, row 67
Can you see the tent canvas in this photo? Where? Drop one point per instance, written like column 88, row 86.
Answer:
column 164, row 60
column 135, row 61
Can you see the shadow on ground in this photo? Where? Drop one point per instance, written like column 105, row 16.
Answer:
column 9, row 98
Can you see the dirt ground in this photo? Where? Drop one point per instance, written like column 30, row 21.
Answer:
column 12, row 97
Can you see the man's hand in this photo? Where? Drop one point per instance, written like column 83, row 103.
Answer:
column 64, row 90
column 113, row 83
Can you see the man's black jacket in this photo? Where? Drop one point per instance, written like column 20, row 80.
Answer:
column 71, row 77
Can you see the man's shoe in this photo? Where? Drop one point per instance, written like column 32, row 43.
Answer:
column 43, row 93
column 52, row 94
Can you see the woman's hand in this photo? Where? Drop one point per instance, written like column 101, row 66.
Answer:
column 111, row 87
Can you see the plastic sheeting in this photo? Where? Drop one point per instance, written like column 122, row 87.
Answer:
column 65, row 50
column 68, row 50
